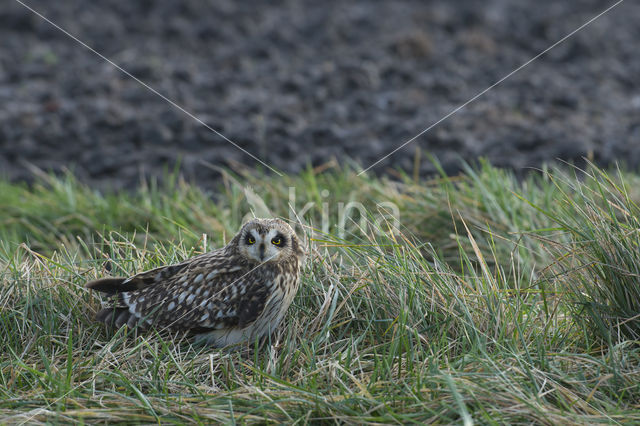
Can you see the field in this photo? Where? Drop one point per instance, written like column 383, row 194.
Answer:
column 492, row 299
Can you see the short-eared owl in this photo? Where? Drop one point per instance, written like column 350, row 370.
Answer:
column 236, row 293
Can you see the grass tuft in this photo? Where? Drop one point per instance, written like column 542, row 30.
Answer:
column 600, row 263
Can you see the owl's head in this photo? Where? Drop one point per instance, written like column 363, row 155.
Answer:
column 267, row 240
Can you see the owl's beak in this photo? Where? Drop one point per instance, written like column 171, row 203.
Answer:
column 262, row 252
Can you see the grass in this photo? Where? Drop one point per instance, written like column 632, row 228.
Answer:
column 496, row 300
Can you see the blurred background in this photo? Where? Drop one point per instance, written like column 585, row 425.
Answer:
column 303, row 82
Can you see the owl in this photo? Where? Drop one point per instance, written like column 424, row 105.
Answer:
column 233, row 294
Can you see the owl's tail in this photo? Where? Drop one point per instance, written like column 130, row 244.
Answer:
column 107, row 285
column 115, row 285
column 117, row 316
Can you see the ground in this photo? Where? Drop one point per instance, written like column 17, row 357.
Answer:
column 301, row 82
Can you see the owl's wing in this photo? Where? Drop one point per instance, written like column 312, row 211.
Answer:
column 164, row 275
column 230, row 301
column 205, row 293
column 137, row 282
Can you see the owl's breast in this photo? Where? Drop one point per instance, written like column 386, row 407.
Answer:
column 283, row 289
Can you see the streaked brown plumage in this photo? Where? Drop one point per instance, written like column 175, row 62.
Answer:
column 229, row 295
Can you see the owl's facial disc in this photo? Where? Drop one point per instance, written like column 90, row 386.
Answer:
column 264, row 247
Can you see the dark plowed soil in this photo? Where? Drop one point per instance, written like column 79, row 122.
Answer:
column 298, row 82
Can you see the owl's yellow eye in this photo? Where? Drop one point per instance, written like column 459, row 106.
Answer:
column 276, row 241
column 251, row 240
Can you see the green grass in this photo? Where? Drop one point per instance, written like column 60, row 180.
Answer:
column 497, row 300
